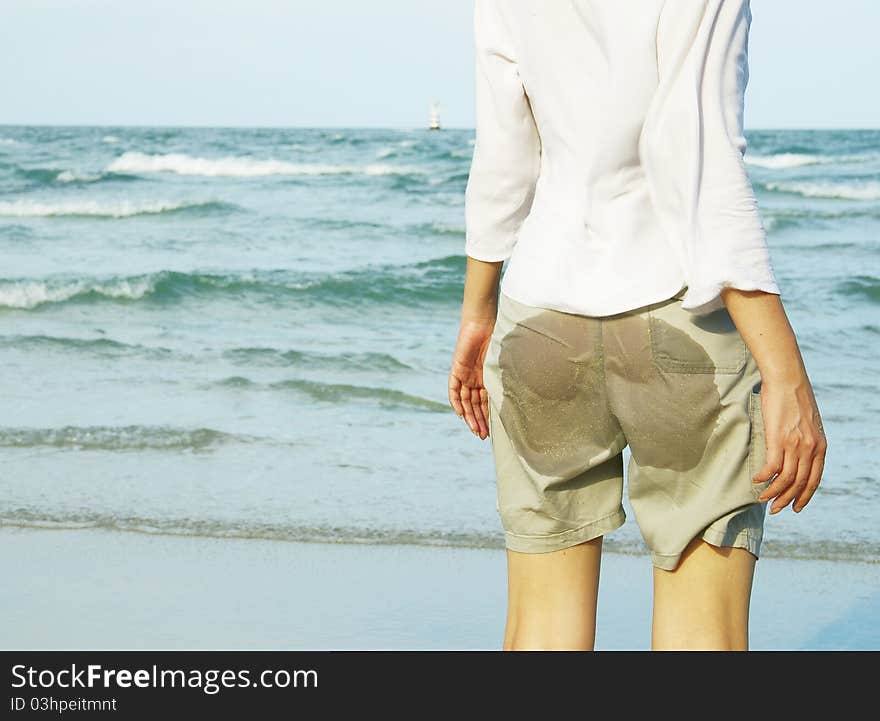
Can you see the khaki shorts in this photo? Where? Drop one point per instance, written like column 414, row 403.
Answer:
column 568, row 392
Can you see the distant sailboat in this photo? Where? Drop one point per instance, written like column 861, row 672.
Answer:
column 435, row 116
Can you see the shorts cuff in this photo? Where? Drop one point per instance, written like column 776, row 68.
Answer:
column 565, row 539
column 747, row 538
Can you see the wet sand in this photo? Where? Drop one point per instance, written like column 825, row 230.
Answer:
column 95, row 589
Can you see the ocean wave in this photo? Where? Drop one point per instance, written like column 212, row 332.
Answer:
column 437, row 280
column 340, row 393
column 439, row 229
column 239, row 167
column 781, row 218
column 861, row 286
column 110, row 139
column 785, row 160
column 69, row 176
column 102, row 347
column 50, row 176
column 28, row 294
column 796, row 156
column 113, row 438
column 302, row 148
column 453, row 179
column 418, row 230
column 836, row 191
column 209, row 528
column 346, row 392
column 99, row 209
column 16, row 231
column 344, row 224
column 246, row 357
column 833, row 550
column 273, row 357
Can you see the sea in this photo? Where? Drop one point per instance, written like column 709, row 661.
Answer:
column 246, row 333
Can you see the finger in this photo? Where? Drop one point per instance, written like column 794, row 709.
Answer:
column 454, row 395
column 785, row 478
column 813, row 482
column 484, row 398
column 805, row 450
column 477, row 403
column 773, row 464
column 798, row 482
column 465, row 396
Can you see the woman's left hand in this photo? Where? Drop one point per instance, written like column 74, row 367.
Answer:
column 467, row 395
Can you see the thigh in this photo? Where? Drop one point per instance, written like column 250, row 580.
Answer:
column 552, row 598
column 704, row 603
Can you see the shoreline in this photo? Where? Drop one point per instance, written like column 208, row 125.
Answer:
column 841, row 553
column 102, row 589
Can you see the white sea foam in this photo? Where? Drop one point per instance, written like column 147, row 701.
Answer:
column 447, row 228
column 783, row 160
column 379, row 169
column 300, row 148
column 111, row 209
column 9, row 141
column 110, row 139
column 232, row 167
column 68, row 176
column 26, row 294
column 842, row 191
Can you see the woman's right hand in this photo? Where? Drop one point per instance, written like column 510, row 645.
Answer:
column 796, row 443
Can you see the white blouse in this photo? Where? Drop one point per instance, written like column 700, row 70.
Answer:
column 608, row 161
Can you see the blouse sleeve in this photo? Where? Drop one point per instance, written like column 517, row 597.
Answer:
column 692, row 147
column 507, row 149
column 728, row 247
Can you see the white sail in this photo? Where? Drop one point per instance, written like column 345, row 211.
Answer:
column 435, row 116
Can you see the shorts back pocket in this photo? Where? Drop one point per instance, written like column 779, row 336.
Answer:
column 682, row 342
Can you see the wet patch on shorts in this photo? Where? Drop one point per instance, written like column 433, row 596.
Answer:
column 554, row 406
column 669, row 417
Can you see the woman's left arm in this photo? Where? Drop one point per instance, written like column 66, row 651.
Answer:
column 467, row 395
column 498, row 197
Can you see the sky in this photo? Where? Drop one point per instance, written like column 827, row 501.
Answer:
column 368, row 63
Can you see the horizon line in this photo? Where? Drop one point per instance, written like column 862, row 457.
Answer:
column 197, row 126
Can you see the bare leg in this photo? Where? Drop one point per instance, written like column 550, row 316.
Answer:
column 552, row 598
column 704, row 603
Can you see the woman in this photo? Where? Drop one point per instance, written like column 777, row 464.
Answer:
column 639, row 308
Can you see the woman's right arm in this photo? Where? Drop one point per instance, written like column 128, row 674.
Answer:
column 729, row 258
column 796, row 443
